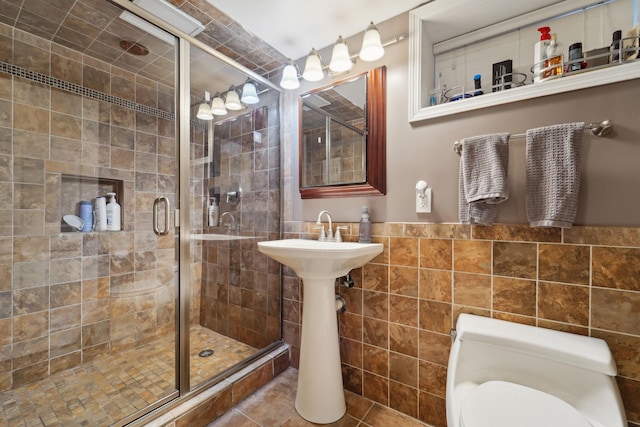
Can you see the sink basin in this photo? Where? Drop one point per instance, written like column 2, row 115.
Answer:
column 312, row 259
column 320, row 395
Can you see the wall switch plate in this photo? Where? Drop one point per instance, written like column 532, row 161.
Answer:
column 423, row 204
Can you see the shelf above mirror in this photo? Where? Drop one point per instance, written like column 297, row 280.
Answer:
column 439, row 30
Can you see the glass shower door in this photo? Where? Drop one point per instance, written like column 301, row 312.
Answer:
column 87, row 313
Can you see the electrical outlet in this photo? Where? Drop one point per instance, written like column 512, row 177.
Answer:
column 257, row 137
column 423, row 204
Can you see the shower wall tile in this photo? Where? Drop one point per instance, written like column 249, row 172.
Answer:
column 30, row 300
column 68, row 288
column 31, row 119
column 587, row 285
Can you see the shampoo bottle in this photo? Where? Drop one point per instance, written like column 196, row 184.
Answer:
column 213, row 213
column 101, row 213
column 554, row 58
column 113, row 213
column 540, row 53
column 86, row 214
column 364, row 236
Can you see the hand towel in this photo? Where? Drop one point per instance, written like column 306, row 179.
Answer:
column 483, row 177
column 553, row 174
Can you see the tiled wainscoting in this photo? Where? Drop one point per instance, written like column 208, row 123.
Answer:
column 395, row 333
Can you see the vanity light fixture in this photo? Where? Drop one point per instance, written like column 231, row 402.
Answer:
column 232, row 100
column 204, row 110
column 372, row 48
column 290, row 76
column 340, row 58
column 313, row 67
column 249, row 93
column 217, row 106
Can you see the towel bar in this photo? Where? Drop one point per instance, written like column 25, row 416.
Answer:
column 598, row 129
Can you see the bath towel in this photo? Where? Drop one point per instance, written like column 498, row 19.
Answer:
column 483, row 177
column 553, row 174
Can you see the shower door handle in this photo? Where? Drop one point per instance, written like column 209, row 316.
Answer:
column 161, row 200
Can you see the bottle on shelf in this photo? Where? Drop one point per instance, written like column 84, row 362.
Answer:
column 477, row 84
column 113, row 213
column 101, row 214
column 553, row 65
column 540, row 53
column 615, row 46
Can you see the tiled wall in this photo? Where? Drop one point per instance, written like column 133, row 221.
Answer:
column 346, row 155
column 240, row 286
column 394, row 336
column 68, row 297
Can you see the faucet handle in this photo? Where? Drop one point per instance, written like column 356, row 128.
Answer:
column 323, row 234
column 338, row 234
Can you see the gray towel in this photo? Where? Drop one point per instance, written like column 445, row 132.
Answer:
column 553, row 174
column 483, row 177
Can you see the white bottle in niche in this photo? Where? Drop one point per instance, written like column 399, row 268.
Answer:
column 113, row 213
column 214, row 213
column 101, row 213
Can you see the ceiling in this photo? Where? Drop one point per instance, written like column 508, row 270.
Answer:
column 293, row 27
column 256, row 39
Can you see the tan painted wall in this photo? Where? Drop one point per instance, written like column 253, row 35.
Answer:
column 609, row 193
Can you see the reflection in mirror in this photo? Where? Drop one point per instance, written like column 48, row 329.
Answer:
column 235, row 158
column 342, row 138
column 333, row 138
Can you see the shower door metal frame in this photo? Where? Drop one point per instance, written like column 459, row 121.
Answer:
column 182, row 221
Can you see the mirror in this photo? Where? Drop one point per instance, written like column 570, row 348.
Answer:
column 342, row 141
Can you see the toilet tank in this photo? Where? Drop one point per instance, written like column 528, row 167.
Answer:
column 577, row 369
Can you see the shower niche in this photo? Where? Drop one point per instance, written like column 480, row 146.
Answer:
column 76, row 188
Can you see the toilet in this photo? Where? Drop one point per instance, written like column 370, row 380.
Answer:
column 504, row 374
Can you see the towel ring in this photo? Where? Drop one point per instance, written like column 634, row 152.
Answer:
column 602, row 128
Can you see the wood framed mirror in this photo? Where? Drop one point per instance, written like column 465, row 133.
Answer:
column 342, row 141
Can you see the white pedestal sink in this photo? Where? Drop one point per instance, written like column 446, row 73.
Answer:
column 320, row 396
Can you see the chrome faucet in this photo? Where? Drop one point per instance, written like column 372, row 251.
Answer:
column 328, row 236
column 232, row 226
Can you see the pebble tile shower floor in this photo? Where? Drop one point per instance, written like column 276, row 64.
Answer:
column 110, row 388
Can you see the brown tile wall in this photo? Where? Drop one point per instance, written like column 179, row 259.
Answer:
column 346, row 153
column 241, row 286
column 394, row 336
column 66, row 297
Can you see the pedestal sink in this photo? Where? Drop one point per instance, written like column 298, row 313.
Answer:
column 320, row 396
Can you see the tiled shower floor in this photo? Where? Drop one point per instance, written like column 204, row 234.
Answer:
column 110, row 388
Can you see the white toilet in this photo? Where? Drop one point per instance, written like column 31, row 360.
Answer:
column 504, row 374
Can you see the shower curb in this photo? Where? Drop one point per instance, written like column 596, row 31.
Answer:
column 205, row 407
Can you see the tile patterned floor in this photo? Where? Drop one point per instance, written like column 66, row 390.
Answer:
column 110, row 388
column 273, row 406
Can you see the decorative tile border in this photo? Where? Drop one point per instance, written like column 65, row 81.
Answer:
column 77, row 89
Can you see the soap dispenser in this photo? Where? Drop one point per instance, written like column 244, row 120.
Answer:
column 364, row 235
column 213, row 213
column 113, row 213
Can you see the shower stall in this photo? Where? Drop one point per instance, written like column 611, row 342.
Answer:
column 102, row 327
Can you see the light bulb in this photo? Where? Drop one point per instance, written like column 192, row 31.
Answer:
column 217, row 106
column 372, row 49
column 232, row 101
column 289, row 77
column 249, row 94
column 340, row 59
column 204, row 112
column 313, row 67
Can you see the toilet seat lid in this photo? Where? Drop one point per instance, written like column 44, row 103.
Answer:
column 504, row 404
